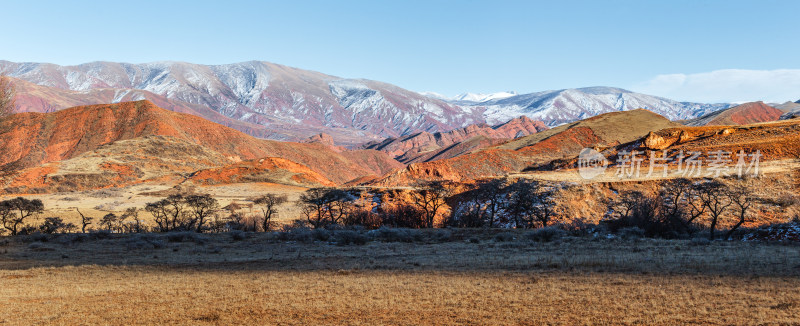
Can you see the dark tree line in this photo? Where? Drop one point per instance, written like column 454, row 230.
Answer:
column 678, row 206
column 496, row 203
column 487, row 203
column 416, row 208
column 177, row 212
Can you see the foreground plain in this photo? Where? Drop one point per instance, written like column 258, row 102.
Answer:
column 447, row 277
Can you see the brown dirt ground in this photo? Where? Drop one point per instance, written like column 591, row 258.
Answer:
column 261, row 281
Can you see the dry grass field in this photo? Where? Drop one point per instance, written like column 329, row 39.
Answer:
column 446, row 277
column 96, row 203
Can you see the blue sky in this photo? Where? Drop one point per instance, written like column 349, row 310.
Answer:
column 678, row 49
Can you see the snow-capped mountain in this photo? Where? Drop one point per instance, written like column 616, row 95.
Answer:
column 435, row 95
column 568, row 105
column 480, row 98
column 294, row 103
column 264, row 94
column 470, row 99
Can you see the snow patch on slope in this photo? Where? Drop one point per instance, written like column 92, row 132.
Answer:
column 480, row 98
column 564, row 106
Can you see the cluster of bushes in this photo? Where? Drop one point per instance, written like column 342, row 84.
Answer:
column 494, row 203
column 491, row 203
column 327, row 207
column 176, row 213
column 677, row 208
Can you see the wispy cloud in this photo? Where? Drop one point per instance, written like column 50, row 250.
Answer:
column 729, row 85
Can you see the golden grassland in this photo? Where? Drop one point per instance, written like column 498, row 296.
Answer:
column 469, row 279
column 96, row 203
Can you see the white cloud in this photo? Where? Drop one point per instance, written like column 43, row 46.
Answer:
column 729, row 85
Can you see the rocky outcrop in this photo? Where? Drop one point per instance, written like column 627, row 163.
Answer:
column 655, row 142
column 325, row 140
column 684, row 136
column 321, row 138
column 774, row 140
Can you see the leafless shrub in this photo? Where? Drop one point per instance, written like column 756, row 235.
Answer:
column 546, row 234
column 503, row 237
column 268, row 205
column 347, row 237
column 237, row 235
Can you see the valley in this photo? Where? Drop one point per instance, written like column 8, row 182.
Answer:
column 423, row 163
column 228, row 213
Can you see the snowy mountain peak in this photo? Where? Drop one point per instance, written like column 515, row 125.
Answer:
column 568, row 105
column 480, row 98
column 435, row 95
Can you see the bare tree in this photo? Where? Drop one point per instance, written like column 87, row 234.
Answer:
column 742, row 200
column 201, row 207
column 675, row 193
column 7, row 97
column 315, row 206
column 137, row 226
column 696, row 206
column 531, row 203
column 467, row 210
column 544, row 207
column 53, row 225
column 714, row 196
column 109, row 221
column 169, row 213
column 492, row 194
column 268, row 204
column 627, row 204
column 14, row 212
column 325, row 206
column 430, row 198
column 85, row 221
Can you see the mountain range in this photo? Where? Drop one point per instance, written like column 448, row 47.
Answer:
column 128, row 143
column 278, row 102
